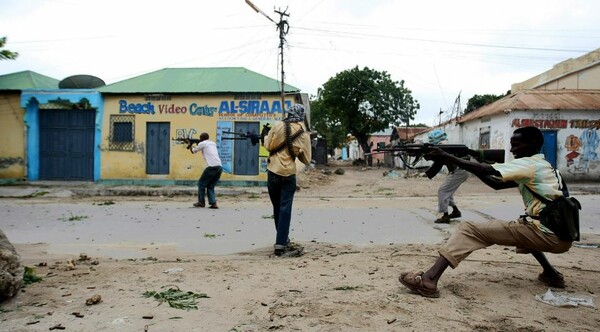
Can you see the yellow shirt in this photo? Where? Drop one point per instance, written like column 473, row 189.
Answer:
column 281, row 163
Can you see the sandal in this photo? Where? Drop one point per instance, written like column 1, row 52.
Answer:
column 414, row 282
column 556, row 281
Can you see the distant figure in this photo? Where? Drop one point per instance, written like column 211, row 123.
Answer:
column 287, row 141
column 455, row 178
column 211, row 174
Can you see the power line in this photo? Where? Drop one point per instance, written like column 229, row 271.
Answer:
column 367, row 35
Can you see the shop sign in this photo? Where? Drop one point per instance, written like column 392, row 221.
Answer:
column 540, row 123
column 556, row 123
column 252, row 107
column 237, row 109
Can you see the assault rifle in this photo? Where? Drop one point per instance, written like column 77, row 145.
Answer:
column 188, row 141
column 254, row 138
column 418, row 151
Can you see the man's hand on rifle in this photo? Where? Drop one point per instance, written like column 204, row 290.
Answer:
column 264, row 132
column 189, row 144
column 437, row 154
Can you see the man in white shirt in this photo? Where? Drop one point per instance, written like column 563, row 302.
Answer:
column 211, row 174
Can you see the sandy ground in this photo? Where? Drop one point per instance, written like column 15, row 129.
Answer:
column 332, row 287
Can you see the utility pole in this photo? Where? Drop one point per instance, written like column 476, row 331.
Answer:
column 456, row 107
column 283, row 28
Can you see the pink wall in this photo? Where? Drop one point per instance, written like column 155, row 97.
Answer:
column 375, row 140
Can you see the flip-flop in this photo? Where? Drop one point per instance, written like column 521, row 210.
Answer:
column 414, row 282
column 552, row 281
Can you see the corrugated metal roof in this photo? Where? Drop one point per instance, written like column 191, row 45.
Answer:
column 199, row 80
column 409, row 133
column 547, row 100
column 27, row 80
column 386, row 132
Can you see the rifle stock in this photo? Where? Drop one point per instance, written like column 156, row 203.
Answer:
column 419, row 150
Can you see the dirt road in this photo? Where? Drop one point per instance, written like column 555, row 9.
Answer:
column 360, row 230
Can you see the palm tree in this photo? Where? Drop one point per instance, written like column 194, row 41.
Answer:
column 4, row 53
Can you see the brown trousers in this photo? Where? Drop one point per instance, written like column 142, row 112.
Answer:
column 524, row 235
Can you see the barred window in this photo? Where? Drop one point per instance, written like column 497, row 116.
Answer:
column 121, row 132
column 484, row 138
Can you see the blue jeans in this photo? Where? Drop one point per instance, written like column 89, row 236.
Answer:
column 207, row 182
column 281, row 192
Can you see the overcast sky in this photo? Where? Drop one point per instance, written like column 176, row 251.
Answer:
column 439, row 48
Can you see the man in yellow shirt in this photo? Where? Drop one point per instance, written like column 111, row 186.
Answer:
column 286, row 142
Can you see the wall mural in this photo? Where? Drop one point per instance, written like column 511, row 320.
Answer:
column 582, row 150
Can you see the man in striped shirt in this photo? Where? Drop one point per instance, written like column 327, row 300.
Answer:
column 528, row 169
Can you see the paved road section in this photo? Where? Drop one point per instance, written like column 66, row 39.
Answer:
column 137, row 228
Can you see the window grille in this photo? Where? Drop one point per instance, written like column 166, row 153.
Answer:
column 484, row 138
column 122, row 130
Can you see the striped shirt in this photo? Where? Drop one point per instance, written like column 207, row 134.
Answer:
column 537, row 173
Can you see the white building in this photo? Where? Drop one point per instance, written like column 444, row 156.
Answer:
column 564, row 102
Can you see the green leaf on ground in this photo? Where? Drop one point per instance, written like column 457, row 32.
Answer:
column 176, row 298
column 29, row 276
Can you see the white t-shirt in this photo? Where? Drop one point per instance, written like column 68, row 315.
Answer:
column 209, row 152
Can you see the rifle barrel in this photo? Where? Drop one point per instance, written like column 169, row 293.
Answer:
column 233, row 133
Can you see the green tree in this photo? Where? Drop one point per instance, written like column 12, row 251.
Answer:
column 328, row 128
column 478, row 101
column 360, row 102
column 4, row 53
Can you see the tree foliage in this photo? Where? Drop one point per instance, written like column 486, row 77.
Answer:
column 4, row 53
column 360, row 102
column 478, row 101
column 328, row 127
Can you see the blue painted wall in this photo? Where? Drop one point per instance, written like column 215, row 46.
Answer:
column 31, row 99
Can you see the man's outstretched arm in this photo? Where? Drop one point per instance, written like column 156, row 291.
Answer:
column 485, row 172
column 496, row 183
